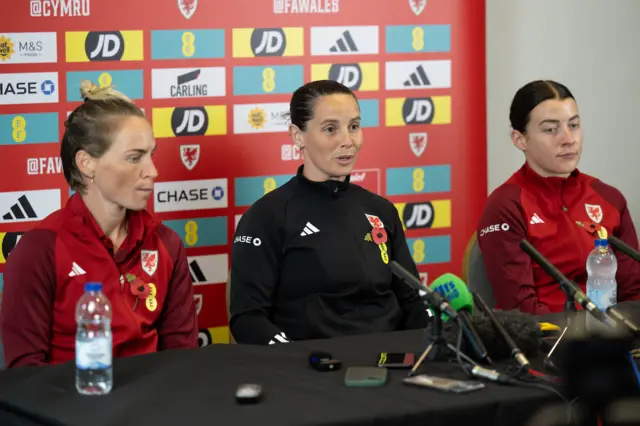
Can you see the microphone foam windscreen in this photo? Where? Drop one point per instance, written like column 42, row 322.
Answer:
column 523, row 329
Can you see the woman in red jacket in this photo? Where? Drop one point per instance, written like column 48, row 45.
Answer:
column 103, row 234
column 549, row 202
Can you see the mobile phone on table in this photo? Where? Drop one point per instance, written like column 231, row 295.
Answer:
column 396, row 359
column 365, row 377
column 443, row 383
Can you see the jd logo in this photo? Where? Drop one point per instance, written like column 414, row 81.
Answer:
column 418, row 215
column 349, row 75
column 417, row 110
column 104, row 46
column 189, row 121
column 268, row 42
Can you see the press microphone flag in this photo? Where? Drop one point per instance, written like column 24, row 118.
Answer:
column 569, row 287
column 435, row 299
column 461, row 300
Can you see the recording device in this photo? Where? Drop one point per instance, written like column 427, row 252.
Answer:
column 434, row 299
column 624, row 247
column 443, row 383
column 323, row 361
column 569, row 287
column 515, row 351
column 248, row 393
column 396, row 360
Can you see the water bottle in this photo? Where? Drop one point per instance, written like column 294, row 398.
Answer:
column 602, row 288
column 94, row 375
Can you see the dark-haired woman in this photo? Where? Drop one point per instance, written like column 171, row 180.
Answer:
column 103, row 234
column 311, row 258
column 554, row 206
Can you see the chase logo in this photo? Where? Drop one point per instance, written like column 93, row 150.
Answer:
column 269, row 79
column 187, row 44
column 431, row 110
column 356, row 76
column 8, row 241
column 200, row 232
column 418, row 180
column 428, row 214
column 104, row 46
column 129, row 82
column 418, row 39
column 430, row 250
column 29, row 128
column 190, row 121
column 250, row 189
column 257, row 42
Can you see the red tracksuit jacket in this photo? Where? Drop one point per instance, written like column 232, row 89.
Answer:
column 545, row 211
column 45, row 274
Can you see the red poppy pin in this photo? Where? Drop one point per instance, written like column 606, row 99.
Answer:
column 139, row 288
column 379, row 235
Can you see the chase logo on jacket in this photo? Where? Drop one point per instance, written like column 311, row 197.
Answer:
column 494, row 228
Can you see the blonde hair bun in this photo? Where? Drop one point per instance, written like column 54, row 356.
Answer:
column 90, row 91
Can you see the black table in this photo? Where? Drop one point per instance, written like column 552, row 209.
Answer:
column 193, row 387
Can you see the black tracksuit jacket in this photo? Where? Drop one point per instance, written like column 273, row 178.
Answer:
column 304, row 266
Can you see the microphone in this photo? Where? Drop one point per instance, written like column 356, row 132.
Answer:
column 435, row 299
column 569, row 287
column 458, row 295
column 619, row 318
column 624, row 247
column 515, row 351
column 524, row 329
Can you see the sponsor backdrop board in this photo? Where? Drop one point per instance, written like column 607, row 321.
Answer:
column 215, row 78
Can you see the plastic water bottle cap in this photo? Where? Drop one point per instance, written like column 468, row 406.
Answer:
column 93, row 286
column 601, row 243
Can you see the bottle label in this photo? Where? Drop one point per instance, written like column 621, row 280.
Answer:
column 603, row 298
column 94, row 354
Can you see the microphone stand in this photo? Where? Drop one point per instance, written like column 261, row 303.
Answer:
column 569, row 308
column 438, row 348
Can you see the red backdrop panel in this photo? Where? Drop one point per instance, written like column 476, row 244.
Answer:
column 417, row 66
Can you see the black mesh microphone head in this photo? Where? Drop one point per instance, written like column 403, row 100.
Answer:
column 523, row 329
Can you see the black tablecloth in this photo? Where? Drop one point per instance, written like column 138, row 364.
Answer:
column 193, row 387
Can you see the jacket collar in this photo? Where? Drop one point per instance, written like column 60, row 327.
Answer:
column 329, row 187
column 553, row 183
column 81, row 222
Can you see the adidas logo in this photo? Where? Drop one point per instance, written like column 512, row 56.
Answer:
column 344, row 44
column 21, row 210
column 76, row 270
column 279, row 338
column 309, row 229
column 535, row 219
column 418, row 78
column 197, row 276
